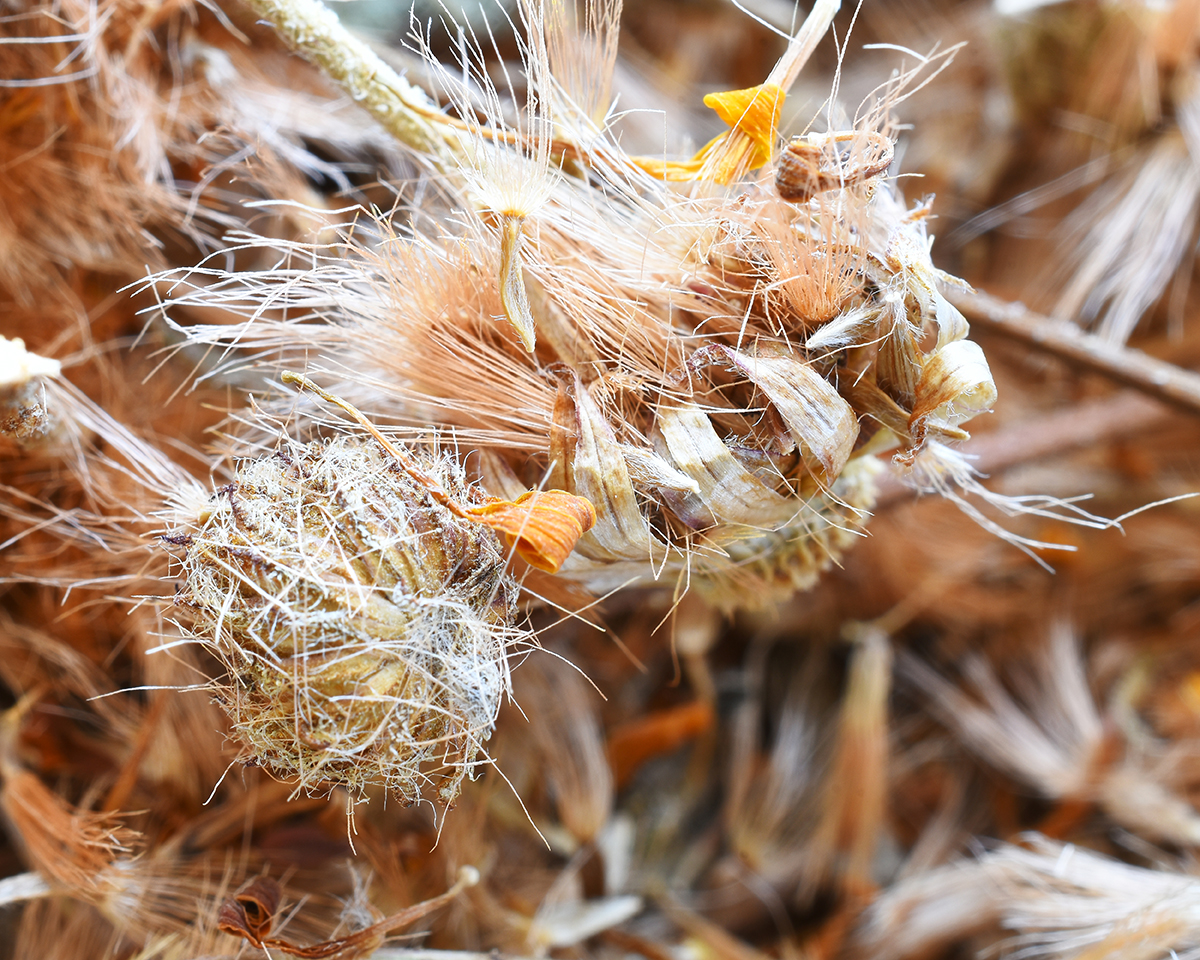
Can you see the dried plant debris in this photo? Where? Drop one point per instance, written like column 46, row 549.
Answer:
column 130, row 130
column 712, row 366
column 445, row 517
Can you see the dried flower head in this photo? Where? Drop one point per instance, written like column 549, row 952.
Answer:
column 363, row 625
column 711, row 366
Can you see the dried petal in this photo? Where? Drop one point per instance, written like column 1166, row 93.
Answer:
column 955, row 386
column 753, row 114
column 908, row 255
column 659, row 732
column 542, row 526
column 651, row 470
column 251, row 913
column 594, row 467
column 728, row 492
column 899, row 362
column 18, row 366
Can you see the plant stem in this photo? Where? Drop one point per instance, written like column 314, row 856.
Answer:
column 1164, row 381
column 314, row 31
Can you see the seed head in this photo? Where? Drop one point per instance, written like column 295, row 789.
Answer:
column 363, row 625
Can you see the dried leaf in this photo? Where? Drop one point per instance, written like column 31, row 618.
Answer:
column 568, row 924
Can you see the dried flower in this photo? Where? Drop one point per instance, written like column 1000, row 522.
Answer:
column 364, row 626
column 670, row 383
column 815, row 163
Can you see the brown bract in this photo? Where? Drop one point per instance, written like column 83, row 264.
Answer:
column 813, row 164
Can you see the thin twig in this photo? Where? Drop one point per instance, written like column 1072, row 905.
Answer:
column 1164, row 381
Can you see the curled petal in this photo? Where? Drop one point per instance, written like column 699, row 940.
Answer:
column 753, row 117
column 543, row 526
column 955, row 385
column 753, row 112
column 819, row 421
column 251, row 913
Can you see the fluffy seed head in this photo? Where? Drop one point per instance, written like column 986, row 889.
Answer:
column 364, row 627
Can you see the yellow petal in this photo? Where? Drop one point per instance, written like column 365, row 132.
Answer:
column 753, row 117
column 753, row 112
column 542, row 526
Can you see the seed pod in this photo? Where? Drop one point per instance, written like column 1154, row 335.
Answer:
column 813, row 164
column 363, row 625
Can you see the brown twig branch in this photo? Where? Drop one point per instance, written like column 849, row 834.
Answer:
column 1163, row 381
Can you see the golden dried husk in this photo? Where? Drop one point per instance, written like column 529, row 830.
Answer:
column 363, row 625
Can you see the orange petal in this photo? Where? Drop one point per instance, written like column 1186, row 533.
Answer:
column 543, row 526
column 753, row 112
column 662, row 731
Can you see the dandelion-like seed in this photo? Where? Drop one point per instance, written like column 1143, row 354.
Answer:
column 363, row 624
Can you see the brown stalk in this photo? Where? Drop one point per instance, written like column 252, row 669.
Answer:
column 1164, row 381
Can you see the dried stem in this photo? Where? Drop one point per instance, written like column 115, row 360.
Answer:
column 313, row 30
column 1164, row 381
